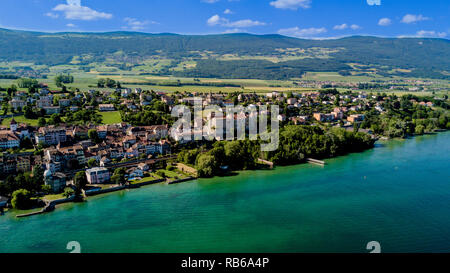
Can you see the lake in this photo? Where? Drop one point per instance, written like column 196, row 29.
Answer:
column 397, row 194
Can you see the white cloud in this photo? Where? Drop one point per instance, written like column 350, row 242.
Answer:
column 374, row 2
column 70, row 25
column 135, row 24
column 217, row 20
column 210, row 1
column 345, row 26
column 75, row 11
column 411, row 18
column 302, row 33
column 245, row 23
column 52, row 15
column 291, row 4
column 228, row 11
column 340, row 27
column 431, row 33
column 234, row 30
column 384, row 22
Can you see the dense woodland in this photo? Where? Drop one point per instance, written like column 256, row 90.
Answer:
column 296, row 144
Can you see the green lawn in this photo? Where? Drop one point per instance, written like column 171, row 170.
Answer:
column 111, row 117
column 52, row 197
column 176, row 173
column 20, row 119
column 144, row 180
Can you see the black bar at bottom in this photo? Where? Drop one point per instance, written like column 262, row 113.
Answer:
column 228, row 262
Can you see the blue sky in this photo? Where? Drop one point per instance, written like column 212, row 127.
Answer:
column 298, row 18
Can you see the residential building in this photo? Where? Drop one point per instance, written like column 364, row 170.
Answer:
column 9, row 140
column 44, row 101
column 98, row 175
column 64, row 102
column 51, row 135
column 355, row 118
column 324, row 117
column 17, row 103
column 52, row 110
column 57, row 181
column 106, row 107
column 23, row 164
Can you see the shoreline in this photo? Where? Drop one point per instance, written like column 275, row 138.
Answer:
column 53, row 204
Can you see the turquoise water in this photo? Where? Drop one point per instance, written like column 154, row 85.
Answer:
column 397, row 194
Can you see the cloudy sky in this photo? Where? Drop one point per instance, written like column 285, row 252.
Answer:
column 297, row 18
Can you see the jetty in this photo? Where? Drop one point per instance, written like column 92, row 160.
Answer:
column 270, row 164
column 181, row 180
column 315, row 161
column 49, row 206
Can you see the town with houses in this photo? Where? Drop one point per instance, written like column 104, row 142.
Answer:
column 63, row 149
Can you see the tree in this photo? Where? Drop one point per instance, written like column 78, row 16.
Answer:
column 55, row 119
column 28, row 112
column 80, row 182
column 92, row 163
column 63, row 79
column 420, row 130
column 68, row 192
column 118, row 179
column 26, row 82
column 206, row 165
column 93, row 135
column 161, row 174
column 73, row 164
column 119, row 176
column 38, row 175
column 21, row 199
column 46, row 189
column 26, row 143
column 107, row 83
column 42, row 122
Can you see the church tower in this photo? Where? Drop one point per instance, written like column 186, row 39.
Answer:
column 13, row 125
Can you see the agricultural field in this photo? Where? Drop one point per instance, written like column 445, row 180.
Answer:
column 141, row 74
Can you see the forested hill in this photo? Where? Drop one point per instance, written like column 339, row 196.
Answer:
column 274, row 56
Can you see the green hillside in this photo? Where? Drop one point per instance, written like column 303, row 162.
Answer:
column 225, row 56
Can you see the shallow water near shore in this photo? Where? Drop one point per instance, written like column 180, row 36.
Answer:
column 397, row 194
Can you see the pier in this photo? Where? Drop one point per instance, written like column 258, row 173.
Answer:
column 316, row 162
column 270, row 164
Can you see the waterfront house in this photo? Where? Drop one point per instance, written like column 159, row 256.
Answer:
column 135, row 173
column 98, row 175
column 57, row 181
